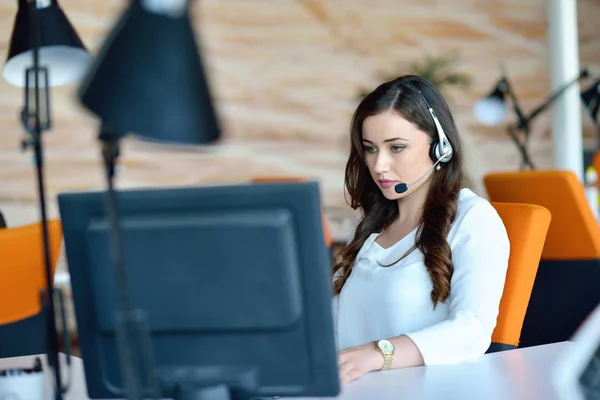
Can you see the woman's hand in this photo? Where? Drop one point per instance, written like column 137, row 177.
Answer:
column 355, row 362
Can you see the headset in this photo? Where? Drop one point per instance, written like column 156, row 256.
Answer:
column 440, row 150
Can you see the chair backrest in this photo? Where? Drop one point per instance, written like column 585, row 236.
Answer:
column 22, row 275
column 596, row 163
column 574, row 233
column 526, row 225
column 272, row 179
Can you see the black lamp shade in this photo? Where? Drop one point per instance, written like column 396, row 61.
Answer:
column 61, row 50
column 591, row 99
column 499, row 91
column 149, row 79
column 491, row 110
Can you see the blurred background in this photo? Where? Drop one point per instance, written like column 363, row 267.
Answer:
column 286, row 76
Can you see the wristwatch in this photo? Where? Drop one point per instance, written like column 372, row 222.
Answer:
column 386, row 349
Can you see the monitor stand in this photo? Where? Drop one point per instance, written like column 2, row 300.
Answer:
column 209, row 383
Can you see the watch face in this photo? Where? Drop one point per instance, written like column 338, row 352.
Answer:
column 385, row 346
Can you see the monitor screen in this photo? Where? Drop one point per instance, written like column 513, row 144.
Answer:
column 590, row 377
column 576, row 372
column 227, row 276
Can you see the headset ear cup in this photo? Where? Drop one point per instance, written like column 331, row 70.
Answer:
column 433, row 150
column 435, row 153
column 440, row 154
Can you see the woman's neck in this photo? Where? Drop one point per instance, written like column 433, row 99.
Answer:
column 410, row 208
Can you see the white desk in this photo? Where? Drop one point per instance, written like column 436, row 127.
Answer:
column 522, row 374
column 510, row 375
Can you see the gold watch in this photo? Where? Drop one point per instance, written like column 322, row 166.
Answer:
column 386, row 349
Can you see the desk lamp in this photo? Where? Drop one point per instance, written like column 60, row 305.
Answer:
column 148, row 80
column 44, row 51
column 591, row 100
column 61, row 52
column 491, row 110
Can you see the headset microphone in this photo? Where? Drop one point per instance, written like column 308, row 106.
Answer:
column 403, row 187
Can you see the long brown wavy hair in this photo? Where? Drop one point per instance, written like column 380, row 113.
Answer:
column 402, row 96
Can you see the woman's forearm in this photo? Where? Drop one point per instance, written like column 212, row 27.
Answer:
column 406, row 354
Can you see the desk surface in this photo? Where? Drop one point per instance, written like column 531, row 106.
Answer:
column 509, row 375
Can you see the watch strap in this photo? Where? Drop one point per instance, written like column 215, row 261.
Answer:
column 387, row 361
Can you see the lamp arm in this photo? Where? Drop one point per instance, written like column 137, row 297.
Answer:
column 138, row 370
column 520, row 116
column 525, row 158
column 555, row 95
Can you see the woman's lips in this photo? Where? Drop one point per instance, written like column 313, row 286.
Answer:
column 386, row 183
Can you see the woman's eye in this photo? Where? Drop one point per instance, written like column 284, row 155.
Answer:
column 370, row 149
column 397, row 149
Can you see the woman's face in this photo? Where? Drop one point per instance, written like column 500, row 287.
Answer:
column 396, row 151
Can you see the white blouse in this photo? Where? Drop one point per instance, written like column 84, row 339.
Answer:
column 378, row 302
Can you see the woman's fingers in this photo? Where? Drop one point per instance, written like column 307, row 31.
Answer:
column 346, row 376
column 345, row 368
column 351, row 375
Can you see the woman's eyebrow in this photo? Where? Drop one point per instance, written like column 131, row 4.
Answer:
column 387, row 140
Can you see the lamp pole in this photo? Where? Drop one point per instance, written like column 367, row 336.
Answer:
column 32, row 120
column 564, row 65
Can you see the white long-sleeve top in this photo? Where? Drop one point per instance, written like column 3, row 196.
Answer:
column 381, row 302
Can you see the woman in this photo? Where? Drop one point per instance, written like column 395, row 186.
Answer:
column 421, row 281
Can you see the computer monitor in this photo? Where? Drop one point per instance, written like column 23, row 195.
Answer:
column 229, row 276
column 576, row 373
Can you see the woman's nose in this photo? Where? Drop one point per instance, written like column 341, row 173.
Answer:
column 381, row 164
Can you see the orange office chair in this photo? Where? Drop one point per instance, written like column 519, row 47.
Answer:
column 566, row 287
column 596, row 162
column 22, row 278
column 270, row 179
column 527, row 226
